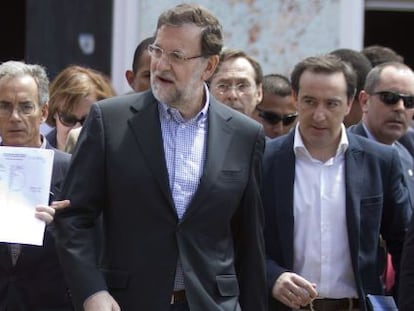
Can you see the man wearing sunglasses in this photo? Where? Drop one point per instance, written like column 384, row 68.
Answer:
column 387, row 103
column 276, row 112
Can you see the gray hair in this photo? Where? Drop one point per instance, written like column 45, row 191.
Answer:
column 14, row 69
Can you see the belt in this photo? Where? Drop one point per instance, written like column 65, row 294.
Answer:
column 177, row 297
column 329, row 304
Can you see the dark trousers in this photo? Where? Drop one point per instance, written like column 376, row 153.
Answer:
column 182, row 306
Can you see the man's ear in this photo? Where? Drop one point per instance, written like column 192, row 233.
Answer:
column 44, row 112
column 210, row 67
column 130, row 76
column 363, row 100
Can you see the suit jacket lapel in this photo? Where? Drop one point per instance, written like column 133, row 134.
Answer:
column 284, row 166
column 145, row 126
column 354, row 171
column 219, row 137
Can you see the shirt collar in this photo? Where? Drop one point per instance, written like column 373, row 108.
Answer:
column 300, row 149
column 42, row 139
column 167, row 111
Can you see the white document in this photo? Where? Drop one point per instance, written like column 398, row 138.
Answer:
column 25, row 177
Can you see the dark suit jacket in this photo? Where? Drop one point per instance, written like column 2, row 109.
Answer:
column 375, row 202
column 36, row 282
column 407, row 140
column 118, row 168
column 406, row 286
column 407, row 162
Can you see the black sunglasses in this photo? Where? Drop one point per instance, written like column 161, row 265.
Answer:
column 274, row 118
column 70, row 120
column 391, row 98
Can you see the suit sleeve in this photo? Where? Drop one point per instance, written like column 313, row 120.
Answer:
column 406, row 286
column 75, row 225
column 248, row 230
column 396, row 210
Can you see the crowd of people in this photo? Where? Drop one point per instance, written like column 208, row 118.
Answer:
column 211, row 186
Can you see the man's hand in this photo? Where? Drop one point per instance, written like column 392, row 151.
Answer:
column 293, row 290
column 47, row 213
column 101, row 301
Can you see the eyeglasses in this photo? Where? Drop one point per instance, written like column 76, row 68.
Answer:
column 174, row 57
column 274, row 118
column 23, row 109
column 391, row 98
column 70, row 120
column 240, row 88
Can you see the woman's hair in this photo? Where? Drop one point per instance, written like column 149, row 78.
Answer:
column 73, row 84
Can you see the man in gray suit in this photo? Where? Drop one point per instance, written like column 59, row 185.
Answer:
column 30, row 276
column 339, row 191
column 176, row 177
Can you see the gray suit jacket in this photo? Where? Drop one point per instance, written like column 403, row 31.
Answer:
column 119, row 169
column 376, row 200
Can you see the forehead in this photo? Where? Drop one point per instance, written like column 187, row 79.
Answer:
column 398, row 79
column 235, row 68
column 20, row 88
column 321, row 82
column 277, row 101
column 184, row 37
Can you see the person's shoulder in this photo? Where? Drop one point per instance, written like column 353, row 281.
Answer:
column 125, row 101
column 237, row 119
column 370, row 147
column 61, row 156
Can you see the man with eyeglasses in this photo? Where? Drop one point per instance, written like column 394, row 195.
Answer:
column 387, row 103
column 276, row 112
column 31, row 277
column 176, row 176
column 237, row 81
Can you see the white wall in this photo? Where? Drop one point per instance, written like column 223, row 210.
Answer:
column 278, row 33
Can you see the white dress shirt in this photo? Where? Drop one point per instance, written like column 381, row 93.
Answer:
column 321, row 246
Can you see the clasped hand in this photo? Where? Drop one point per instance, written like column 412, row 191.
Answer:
column 293, row 290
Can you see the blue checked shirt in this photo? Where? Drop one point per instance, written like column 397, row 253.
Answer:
column 185, row 152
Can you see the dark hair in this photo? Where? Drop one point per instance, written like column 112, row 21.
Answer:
column 227, row 54
column 139, row 50
column 378, row 54
column 373, row 77
column 211, row 35
column 276, row 84
column 358, row 61
column 328, row 64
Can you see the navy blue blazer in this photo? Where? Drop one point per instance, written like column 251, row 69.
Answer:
column 407, row 162
column 36, row 282
column 376, row 200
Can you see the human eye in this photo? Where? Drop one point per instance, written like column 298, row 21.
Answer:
column 4, row 106
column 177, row 56
column 333, row 103
column 308, row 101
column 222, row 87
column 243, row 86
column 155, row 51
column 26, row 108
